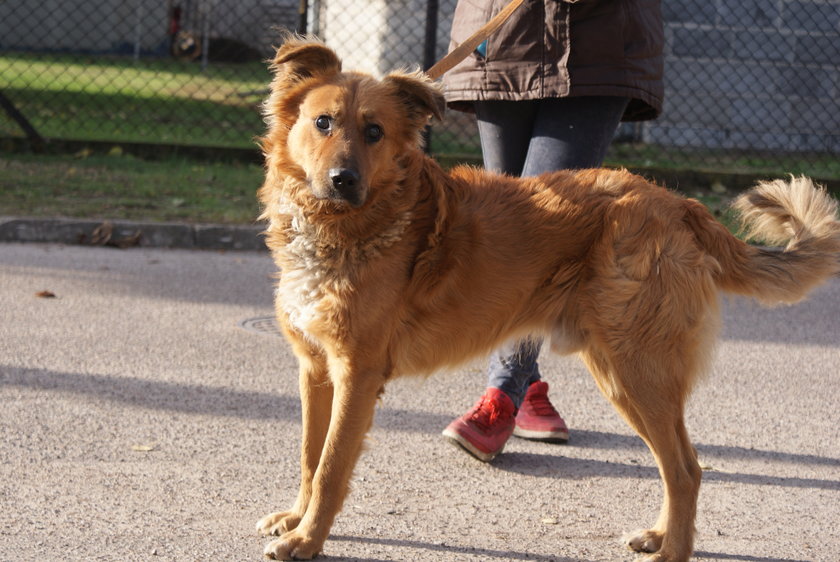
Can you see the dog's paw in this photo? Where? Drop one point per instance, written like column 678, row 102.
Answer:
column 278, row 523
column 643, row 540
column 292, row 546
column 662, row 557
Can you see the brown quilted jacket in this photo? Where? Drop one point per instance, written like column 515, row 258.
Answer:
column 558, row 48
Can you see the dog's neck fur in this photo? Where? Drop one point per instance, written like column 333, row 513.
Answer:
column 309, row 237
column 321, row 252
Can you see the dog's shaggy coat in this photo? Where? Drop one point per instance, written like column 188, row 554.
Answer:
column 391, row 266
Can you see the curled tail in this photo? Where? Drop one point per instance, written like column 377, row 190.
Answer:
column 795, row 215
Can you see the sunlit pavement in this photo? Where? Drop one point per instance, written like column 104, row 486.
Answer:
column 150, row 412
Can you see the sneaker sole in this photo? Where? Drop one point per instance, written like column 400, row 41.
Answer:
column 458, row 440
column 544, row 436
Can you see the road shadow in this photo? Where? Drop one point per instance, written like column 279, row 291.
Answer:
column 268, row 406
column 553, row 466
column 159, row 395
column 604, row 440
column 432, row 548
column 197, row 399
column 744, row 557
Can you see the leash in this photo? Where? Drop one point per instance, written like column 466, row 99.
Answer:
column 463, row 50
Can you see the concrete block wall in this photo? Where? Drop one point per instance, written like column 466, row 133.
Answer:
column 76, row 25
column 379, row 36
column 116, row 26
column 751, row 74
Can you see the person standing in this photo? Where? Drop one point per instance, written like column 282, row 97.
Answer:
column 548, row 89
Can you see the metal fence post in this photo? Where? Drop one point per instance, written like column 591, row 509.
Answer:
column 303, row 20
column 430, row 55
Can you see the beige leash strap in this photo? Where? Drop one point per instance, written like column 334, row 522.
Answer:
column 463, row 50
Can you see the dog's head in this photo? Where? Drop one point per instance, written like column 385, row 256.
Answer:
column 343, row 134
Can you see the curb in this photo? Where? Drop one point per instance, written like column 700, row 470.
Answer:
column 124, row 234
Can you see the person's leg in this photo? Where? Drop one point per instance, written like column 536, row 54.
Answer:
column 568, row 134
column 527, row 139
column 572, row 133
column 514, row 367
column 505, row 128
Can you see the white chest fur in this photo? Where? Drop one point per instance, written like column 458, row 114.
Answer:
column 303, row 277
column 312, row 269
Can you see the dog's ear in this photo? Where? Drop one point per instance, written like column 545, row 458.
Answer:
column 421, row 96
column 298, row 59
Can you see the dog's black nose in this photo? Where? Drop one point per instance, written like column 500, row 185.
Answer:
column 346, row 182
column 343, row 178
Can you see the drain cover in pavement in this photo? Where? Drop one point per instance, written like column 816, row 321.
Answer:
column 266, row 325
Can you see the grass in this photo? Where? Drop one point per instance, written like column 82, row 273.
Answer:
column 160, row 100
column 164, row 101
column 819, row 165
column 117, row 186
column 122, row 100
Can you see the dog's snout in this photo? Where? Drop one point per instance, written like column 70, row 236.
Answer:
column 347, row 183
column 343, row 178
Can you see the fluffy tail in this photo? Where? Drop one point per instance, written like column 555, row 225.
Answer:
column 794, row 214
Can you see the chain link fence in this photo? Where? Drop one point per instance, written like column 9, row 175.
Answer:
column 750, row 84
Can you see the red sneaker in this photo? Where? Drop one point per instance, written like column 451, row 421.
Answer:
column 537, row 419
column 484, row 430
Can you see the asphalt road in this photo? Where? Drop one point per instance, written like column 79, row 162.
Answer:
column 140, row 421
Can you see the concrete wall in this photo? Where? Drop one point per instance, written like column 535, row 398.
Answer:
column 115, row 26
column 378, row 36
column 76, row 25
column 757, row 74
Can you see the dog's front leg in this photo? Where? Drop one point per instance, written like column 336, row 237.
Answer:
column 316, row 396
column 354, row 400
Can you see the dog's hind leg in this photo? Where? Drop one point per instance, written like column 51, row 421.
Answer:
column 672, row 536
column 316, row 394
column 651, row 400
column 354, row 399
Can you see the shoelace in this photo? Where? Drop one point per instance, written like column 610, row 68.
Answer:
column 486, row 413
column 541, row 405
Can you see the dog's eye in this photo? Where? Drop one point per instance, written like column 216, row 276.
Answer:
column 324, row 123
column 373, row 133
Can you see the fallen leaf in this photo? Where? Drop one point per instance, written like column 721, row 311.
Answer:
column 45, row 294
column 101, row 235
column 127, row 241
column 144, row 448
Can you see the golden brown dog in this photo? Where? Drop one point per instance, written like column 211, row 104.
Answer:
column 392, row 266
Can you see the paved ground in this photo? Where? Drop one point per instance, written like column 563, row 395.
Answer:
column 141, row 422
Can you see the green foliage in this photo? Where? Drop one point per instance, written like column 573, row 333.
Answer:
column 123, row 187
column 122, row 100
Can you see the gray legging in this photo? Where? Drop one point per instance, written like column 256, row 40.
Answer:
column 528, row 138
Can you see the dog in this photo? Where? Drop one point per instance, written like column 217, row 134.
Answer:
column 391, row 266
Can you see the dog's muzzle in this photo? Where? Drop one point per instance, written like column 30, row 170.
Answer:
column 347, row 184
